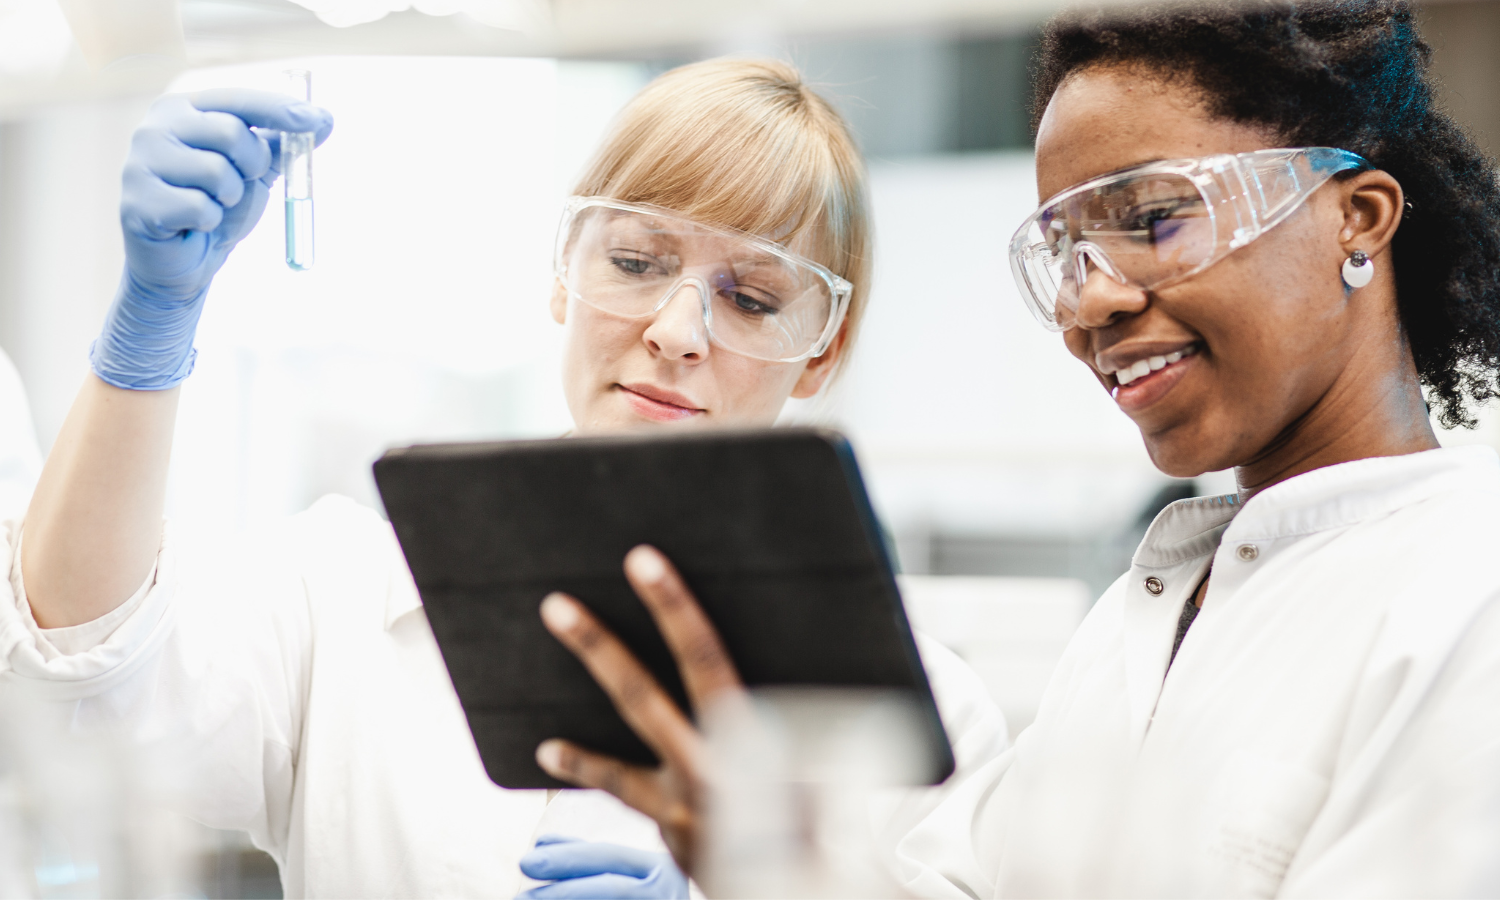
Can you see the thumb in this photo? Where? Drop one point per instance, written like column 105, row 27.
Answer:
column 242, row 217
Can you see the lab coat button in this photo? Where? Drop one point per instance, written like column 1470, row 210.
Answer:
column 1154, row 585
column 1248, row 552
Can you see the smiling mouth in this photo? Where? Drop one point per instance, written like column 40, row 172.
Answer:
column 1145, row 366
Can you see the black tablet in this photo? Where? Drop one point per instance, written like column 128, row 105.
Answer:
column 772, row 530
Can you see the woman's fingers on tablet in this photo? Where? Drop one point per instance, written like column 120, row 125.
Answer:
column 663, row 794
column 669, row 794
column 706, row 668
column 645, row 790
column 566, row 761
column 646, row 708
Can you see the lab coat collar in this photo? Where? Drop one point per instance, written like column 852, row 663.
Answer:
column 1330, row 497
column 1352, row 492
column 1185, row 530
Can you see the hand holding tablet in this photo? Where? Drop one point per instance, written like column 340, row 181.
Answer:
column 672, row 792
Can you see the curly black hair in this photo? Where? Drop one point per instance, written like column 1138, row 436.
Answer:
column 1338, row 73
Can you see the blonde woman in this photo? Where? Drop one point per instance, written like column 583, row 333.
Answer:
column 298, row 678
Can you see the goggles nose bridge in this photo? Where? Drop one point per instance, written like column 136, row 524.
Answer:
column 699, row 332
column 1085, row 252
column 677, row 287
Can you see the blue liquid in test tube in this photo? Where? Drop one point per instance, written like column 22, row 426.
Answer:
column 296, row 173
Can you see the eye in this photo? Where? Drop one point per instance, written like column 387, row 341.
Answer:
column 1149, row 222
column 748, row 304
column 1162, row 222
column 631, row 265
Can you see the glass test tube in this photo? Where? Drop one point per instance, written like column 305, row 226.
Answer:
column 296, row 173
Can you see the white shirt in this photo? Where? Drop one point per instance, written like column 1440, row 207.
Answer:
column 299, row 684
column 1330, row 727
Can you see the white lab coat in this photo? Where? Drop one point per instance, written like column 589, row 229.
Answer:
column 1331, row 725
column 298, row 685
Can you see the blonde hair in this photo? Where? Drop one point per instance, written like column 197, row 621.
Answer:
column 746, row 144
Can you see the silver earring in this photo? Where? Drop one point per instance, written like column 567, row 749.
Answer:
column 1358, row 270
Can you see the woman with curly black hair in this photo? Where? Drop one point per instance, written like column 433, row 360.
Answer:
column 1264, row 240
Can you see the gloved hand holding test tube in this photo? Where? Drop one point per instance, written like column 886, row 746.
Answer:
column 198, row 176
column 296, row 168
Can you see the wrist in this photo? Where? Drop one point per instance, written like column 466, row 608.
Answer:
column 147, row 340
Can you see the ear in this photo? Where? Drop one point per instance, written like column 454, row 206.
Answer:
column 1373, row 206
column 559, row 302
column 820, row 367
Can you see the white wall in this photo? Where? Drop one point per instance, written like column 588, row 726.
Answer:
column 60, row 245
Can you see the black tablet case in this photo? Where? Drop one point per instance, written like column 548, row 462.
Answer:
column 772, row 530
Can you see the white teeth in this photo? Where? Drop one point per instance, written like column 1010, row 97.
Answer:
column 1151, row 364
column 1131, row 373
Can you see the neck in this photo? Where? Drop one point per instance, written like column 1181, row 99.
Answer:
column 1360, row 417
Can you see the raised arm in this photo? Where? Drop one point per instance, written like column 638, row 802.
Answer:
column 196, row 181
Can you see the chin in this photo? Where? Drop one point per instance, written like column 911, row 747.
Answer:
column 1182, row 457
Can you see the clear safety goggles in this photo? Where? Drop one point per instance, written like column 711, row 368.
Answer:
column 1151, row 225
column 757, row 298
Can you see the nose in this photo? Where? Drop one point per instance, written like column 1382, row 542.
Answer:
column 1102, row 301
column 677, row 330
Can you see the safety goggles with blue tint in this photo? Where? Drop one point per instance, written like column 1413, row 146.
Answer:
column 757, row 298
column 1155, row 224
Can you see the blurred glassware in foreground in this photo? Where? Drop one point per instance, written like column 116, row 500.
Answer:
column 86, row 815
column 792, row 773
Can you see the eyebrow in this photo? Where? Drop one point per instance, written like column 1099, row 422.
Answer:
column 1114, row 171
column 759, row 258
column 763, row 260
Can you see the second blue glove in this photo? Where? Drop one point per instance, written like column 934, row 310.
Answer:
column 588, row 869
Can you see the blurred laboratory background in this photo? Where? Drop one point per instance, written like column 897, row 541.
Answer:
column 1014, row 489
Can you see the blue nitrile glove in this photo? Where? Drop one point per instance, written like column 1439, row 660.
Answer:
column 587, row 869
column 195, row 183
